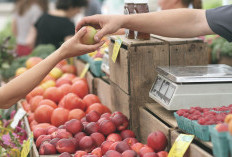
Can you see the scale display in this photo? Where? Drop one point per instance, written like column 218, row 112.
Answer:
column 190, row 86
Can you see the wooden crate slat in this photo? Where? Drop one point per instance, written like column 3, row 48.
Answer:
column 163, row 114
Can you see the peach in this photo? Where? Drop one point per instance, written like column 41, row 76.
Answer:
column 61, row 133
column 223, row 127
column 106, row 115
column 62, row 127
column 105, row 146
column 62, row 81
column 145, row 150
column 80, row 153
column 98, row 138
column 65, row 145
column 112, row 153
column 92, row 116
column 97, row 151
column 107, row 127
column 91, row 99
column 92, row 128
column 127, row 133
column 51, row 130
column 137, row 146
column 68, row 69
column 88, row 38
column 79, row 136
column 74, row 126
column 130, row 141
column 65, row 154
column 113, row 146
column 42, row 139
column 157, row 141
column 162, row 154
column 76, row 114
column 86, row 144
column 121, row 121
column 151, row 154
column 46, row 149
column 122, row 146
column 32, row 61
column 54, row 141
column 129, row 153
column 39, row 131
column 114, row 137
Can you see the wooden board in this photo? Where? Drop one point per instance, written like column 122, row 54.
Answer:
column 188, row 54
column 149, row 124
column 193, row 151
column 162, row 113
column 119, row 71
column 102, row 90
column 120, row 100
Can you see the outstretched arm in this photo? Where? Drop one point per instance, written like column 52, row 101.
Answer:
column 170, row 23
column 19, row 87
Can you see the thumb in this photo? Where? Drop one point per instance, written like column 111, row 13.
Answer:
column 100, row 34
column 80, row 33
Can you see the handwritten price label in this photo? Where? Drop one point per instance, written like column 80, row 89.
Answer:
column 18, row 116
column 27, row 145
column 117, row 46
column 181, row 145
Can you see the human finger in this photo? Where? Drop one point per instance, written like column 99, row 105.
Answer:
column 90, row 20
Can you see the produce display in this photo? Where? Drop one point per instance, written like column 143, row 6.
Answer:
column 11, row 140
column 66, row 119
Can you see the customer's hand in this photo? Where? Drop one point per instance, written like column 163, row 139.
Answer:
column 108, row 24
column 73, row 47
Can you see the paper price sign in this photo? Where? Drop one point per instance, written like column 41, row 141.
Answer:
column 117, row 45
column 83, row 73
column 181, row 145
column 27, row 146
column 18, row 116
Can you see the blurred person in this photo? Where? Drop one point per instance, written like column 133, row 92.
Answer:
column 56, row 26
column 20, row 86
column 174, row 4
column 26, row 14
column 93, row 7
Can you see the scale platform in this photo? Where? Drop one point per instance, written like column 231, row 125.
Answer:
column 179, row 87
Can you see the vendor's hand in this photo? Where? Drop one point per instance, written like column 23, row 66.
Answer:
column 73, row 47
column 108, row 24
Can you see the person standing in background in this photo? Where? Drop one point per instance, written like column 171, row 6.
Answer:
column 174, row 4
column 26, row 14
column 56, row 26
column 93, row 7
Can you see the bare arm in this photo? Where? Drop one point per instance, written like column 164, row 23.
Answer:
column 169, row 23
column 23, row 84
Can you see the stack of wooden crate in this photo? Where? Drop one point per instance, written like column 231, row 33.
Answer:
column 134, row 71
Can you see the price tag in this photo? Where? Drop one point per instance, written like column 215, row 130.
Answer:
column 18, row 116
column 181, row 145
column 83, row 73
column 27, row 146
column 117, row 45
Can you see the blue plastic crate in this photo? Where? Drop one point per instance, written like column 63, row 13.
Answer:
column 220, row 143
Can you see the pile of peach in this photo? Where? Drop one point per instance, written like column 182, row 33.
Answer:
column 97, row 135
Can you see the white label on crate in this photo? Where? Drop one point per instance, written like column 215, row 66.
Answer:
column 18, row 116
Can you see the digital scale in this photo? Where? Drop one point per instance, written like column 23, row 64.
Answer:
column 190, row 86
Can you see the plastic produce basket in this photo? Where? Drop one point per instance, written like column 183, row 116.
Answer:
column 189, row 126
column 95, row 67
column 220, row 143
column 180, row 121
column 201, row 131
column 84, row 57
column 229, row 137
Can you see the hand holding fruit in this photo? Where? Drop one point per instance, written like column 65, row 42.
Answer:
column 107, row 24
column 79, row 45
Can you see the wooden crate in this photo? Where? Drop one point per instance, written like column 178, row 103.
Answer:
column 135, row 69
column 193, row 150
column 149, row 123
column 80, row 65
column 102, row 90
